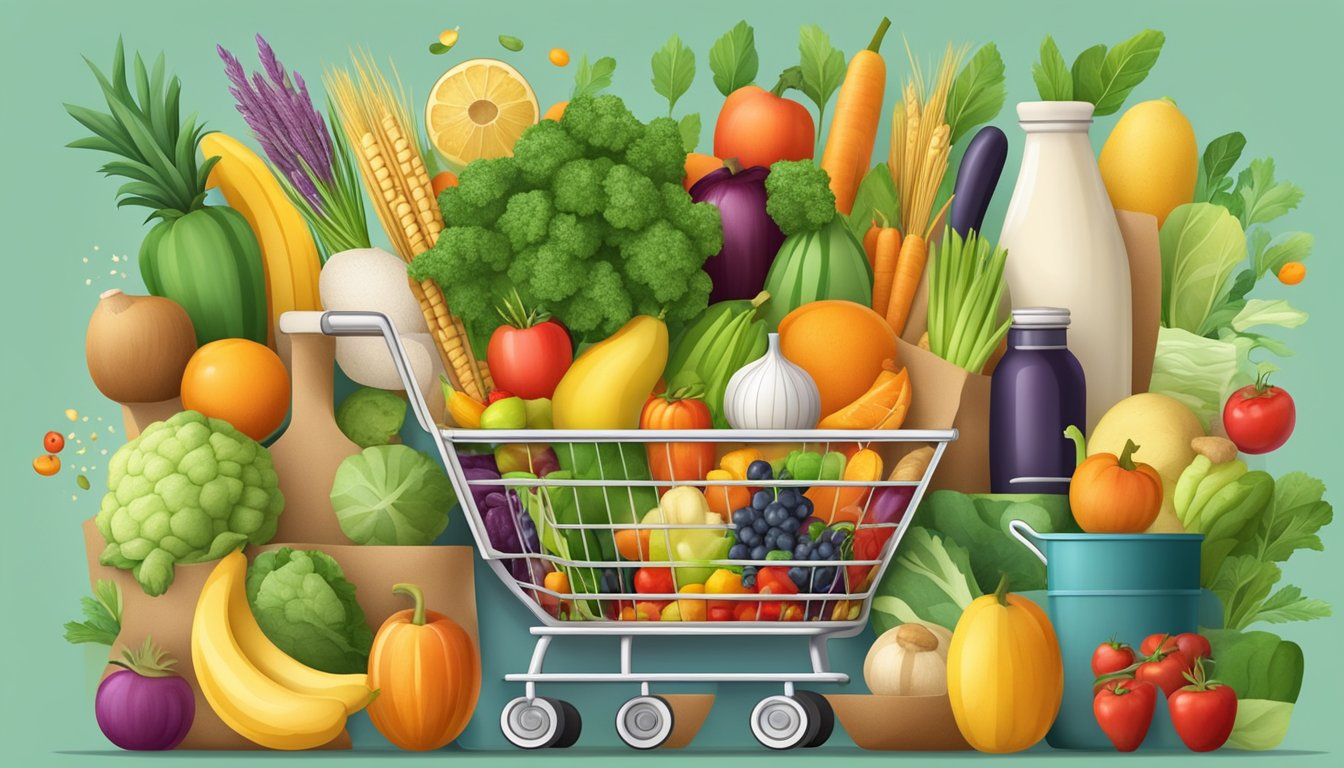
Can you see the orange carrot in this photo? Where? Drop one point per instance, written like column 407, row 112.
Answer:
column 909, row 271
column 886, row 251
column 858, row 109
column 870, row 244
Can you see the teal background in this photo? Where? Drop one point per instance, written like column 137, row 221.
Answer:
column 1271, row 74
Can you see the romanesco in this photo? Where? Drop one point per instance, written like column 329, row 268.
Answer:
column 798, row 196
column 587, row 220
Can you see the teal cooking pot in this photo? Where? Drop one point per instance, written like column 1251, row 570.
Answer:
column 1101, row 587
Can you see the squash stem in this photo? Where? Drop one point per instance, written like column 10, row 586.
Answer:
column 1001, row 593
column 881, row 33
column 1075, row 434
column 418, row 595
column 1126, row 461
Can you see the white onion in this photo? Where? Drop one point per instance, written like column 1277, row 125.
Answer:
column 772, row 393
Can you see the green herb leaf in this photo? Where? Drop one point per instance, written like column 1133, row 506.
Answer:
column 1288, row 604
column 1201, row 244
column 822, row 67
column 673, row 70
column 978, row 92
column 1297, row 514
column 438, row 49
column 1051, row 73
column 1292, row 246
column 1216, row 164
column 511, row 43
column 102, row 616
column 930, row 579
column 1125, row 66
column 689, row 125
column 733, row 58
column 592, row 79
column 1262, row 198
column 1195, row 370
column 1259, row 312
column 876, row 198
column 1087, row 74
column 1243, row 584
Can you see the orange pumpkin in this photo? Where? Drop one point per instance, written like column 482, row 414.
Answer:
column 428, row 676
column 1111, row 494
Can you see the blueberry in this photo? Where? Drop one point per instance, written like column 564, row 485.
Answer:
column 804, row 505
column 785, row 541
column 738, row 552
column 802, row 549
column 748, row 536
column 826, row 549
column 788, row 497
column 771, row 538
column 760, row 525
column 759, row 470
column 798, row 575
column 759, row 552
column 743, row 517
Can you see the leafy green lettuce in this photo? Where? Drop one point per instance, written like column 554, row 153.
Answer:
column 1266, row 672
column 307, row 608
column 1201, row 244
column 930, row 580
column 1197, row 371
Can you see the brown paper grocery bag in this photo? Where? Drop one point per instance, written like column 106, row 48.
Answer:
column 1145, row 284
column 167, row 619
column 944, row 396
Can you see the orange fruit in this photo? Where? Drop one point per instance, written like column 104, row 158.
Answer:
column 559, row 57
column 442, row 181
column 841, row 344
column 478, row 109
column 698, row 166
column 239, row 381
column 555, row 111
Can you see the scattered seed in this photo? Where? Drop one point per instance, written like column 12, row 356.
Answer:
column 71, row 414
column 103, row 452
column 85, row 418
column 93, row 436
column 95, row 247
column 81, row 451
column 82, row 482
column 511, row 43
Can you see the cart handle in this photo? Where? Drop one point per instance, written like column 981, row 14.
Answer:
column 337, row 323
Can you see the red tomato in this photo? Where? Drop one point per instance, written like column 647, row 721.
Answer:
column 1111, row 657
column 498, row 394
column 1195, row 647
column 1203, row 712
column 1125, row 711
column 529, row 354
column 1149, row 645
column 1259, row 418
column 758, row 128
column 721, row 613
column 1165, row 670
column 652, row 581
column 52, row 442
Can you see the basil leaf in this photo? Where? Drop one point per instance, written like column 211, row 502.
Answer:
column 1216, row 163
column 1087, row 74
column 1125, row 66
column 733, row 58
column 511, row 43
column 1051, row 73
column 822, row 66
column 689, row 125
column 673, row 70
column 977, row 95
column 591, row 79
column 876, row 198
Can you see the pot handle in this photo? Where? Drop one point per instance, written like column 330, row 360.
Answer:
column 1027, row 536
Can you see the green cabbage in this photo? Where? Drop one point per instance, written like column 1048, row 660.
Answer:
column 371, row 416
column 1261, row 724
column 391, row 495
column 1196, row 371
column 1266, row 672
column 306, row 607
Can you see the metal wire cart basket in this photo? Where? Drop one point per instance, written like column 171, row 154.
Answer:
column 562, row 545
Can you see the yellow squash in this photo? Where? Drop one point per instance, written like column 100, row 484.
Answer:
column 1150, row 160
column 609, row 382
column 1004, row 673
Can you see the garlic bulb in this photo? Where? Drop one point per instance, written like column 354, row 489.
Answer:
column 772, row 393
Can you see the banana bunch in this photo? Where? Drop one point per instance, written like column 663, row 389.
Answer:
column 255, row 688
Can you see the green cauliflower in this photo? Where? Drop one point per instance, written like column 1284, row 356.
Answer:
column 587, row 220
column 187, row 490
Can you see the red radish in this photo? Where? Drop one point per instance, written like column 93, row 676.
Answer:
column 145, row 705
column 53, row 442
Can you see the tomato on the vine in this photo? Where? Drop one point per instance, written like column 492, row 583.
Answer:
column 1111, row 657
column 1125, row 711
column 1164, row 669
column 1259, row 418
column 1203, row 712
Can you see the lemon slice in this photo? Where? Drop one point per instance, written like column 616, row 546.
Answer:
column 478, row 109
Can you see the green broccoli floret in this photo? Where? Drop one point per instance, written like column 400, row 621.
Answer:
column 527, row 216
column 556, row 275
column 486, row 182
column 578, row 186
column 578, row 236
column 542, row 149
column 601, row 122
column 457, row 212
column 469, row 264
column 633, row 202
column 604, row 301
column 798, row 196
column 700, row 221
column 659, row 153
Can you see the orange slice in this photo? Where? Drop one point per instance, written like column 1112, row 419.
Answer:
column 478, row 109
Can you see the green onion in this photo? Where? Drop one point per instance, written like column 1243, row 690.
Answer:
column 965, row 287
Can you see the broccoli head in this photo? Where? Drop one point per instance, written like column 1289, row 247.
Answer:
column 659, row 154
column 469, row 264
column 578, row 186
column 798, row 196
column 700, row 221
column 602, row 123
column 526, row 218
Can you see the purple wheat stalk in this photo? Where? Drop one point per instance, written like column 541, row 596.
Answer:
column 281, row 115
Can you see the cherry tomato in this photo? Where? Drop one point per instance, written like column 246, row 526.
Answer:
column 1111, row 657
column 1125, row 711
column 1194, row 646
column 1203, row 712
column 1259, row 418
column 498, row 394
column 1165, row 670
column 52, row 442
column 529, row 354
column 47, row 466
column 654, row 581
column 1149, row 645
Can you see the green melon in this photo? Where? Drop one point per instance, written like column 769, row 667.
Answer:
column 826, row 264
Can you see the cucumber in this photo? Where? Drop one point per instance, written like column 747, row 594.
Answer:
column 826, row 264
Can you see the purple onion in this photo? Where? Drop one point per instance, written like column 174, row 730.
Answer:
column 137, row 712
column 889, row 504
column 750, row 237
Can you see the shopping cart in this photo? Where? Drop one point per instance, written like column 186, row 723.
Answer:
column 579, row 517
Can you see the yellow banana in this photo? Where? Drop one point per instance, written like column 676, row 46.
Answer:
column 287, row 245
column 351, row 690
column 255, row 706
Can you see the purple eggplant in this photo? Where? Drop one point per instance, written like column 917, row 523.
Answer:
column 144, row 705
column 750, row 237
column 977, row 177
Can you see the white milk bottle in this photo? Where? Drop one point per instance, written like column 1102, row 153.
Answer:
column 1065, row 249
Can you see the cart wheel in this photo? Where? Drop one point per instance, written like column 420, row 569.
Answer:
column 825, row 715
column 782, row 722
column 533, row 723
column 571, row 725
column 644, row 722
